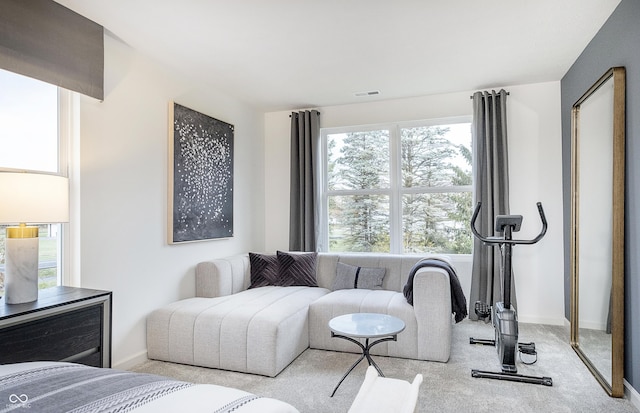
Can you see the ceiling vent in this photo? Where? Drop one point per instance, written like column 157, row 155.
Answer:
column 368, row 93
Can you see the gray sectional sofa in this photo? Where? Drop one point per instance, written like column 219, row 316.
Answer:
column 262, row 330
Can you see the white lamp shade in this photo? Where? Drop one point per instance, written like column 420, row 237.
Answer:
column 33, row 198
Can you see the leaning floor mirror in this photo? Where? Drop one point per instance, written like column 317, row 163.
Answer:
column 597, row 229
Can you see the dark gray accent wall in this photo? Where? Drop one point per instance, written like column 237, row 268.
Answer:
column 616, row 44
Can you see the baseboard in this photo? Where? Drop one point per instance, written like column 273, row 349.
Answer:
column 631, row 394
column 131, row 361
column 541, row 320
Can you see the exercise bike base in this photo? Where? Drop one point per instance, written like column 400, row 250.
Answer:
column 545, row 381
column 482, row 341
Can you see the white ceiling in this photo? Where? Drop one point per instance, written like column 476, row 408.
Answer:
column 292, row 54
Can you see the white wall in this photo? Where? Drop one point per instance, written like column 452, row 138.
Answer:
column 123, row 181
column 535, row 175
column 123, row 174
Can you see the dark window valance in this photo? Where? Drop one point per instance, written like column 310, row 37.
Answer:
column 46, row 41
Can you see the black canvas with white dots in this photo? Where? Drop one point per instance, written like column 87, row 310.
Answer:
column 202, row 176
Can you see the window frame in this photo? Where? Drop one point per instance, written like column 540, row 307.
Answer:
column 67, row 148
column 69, row 166
column 395, row 190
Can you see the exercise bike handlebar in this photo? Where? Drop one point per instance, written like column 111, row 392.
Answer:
column 496, row 240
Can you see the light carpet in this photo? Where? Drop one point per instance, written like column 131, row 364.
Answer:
column 447, row 387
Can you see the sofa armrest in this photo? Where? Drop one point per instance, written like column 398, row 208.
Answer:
column 222, row 276
column 432, row 306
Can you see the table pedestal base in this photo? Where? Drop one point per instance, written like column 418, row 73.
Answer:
column 365, row 353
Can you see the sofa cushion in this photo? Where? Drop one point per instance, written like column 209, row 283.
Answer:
column 297, row 269
column 341, row 302
column 352, row 276
column 256, row 331
column 264, row 269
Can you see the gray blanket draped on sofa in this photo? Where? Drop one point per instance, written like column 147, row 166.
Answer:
column 458, row 300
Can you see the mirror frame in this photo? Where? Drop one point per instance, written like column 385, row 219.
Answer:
column 616, row 387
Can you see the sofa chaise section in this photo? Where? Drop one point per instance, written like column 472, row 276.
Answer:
column 259, row 331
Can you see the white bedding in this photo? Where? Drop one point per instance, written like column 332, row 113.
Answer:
column 15, row 395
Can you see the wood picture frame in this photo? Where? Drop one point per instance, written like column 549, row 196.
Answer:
column 200, row 181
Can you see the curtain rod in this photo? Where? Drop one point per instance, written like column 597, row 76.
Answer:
column 471, row 97
column 311, row 111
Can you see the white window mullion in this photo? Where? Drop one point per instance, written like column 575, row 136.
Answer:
column 395, row 213
column 436, row 189
column 69, row 155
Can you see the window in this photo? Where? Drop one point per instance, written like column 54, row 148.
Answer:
column 30, row 141
column 402, row 188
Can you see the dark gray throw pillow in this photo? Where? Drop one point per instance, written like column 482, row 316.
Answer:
column 264, row 269
column 297, row 269
column 350, row 276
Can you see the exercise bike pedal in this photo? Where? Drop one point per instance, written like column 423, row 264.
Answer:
column 527, row 348
column 483, row 310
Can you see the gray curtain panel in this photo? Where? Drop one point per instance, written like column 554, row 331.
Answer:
column 46, row 41
column 305, row 135
column 491, row 181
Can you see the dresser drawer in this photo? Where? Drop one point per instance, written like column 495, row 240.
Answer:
column 69, row 336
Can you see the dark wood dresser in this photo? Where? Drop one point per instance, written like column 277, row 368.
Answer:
column 64, row 324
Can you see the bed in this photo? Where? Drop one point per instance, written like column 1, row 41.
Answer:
column 67, row 387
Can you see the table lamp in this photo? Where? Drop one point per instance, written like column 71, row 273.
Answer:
column 28, row 198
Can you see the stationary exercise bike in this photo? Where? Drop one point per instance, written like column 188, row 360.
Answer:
column 503, row 315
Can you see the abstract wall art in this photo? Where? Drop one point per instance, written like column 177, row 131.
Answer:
column 200, row 176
